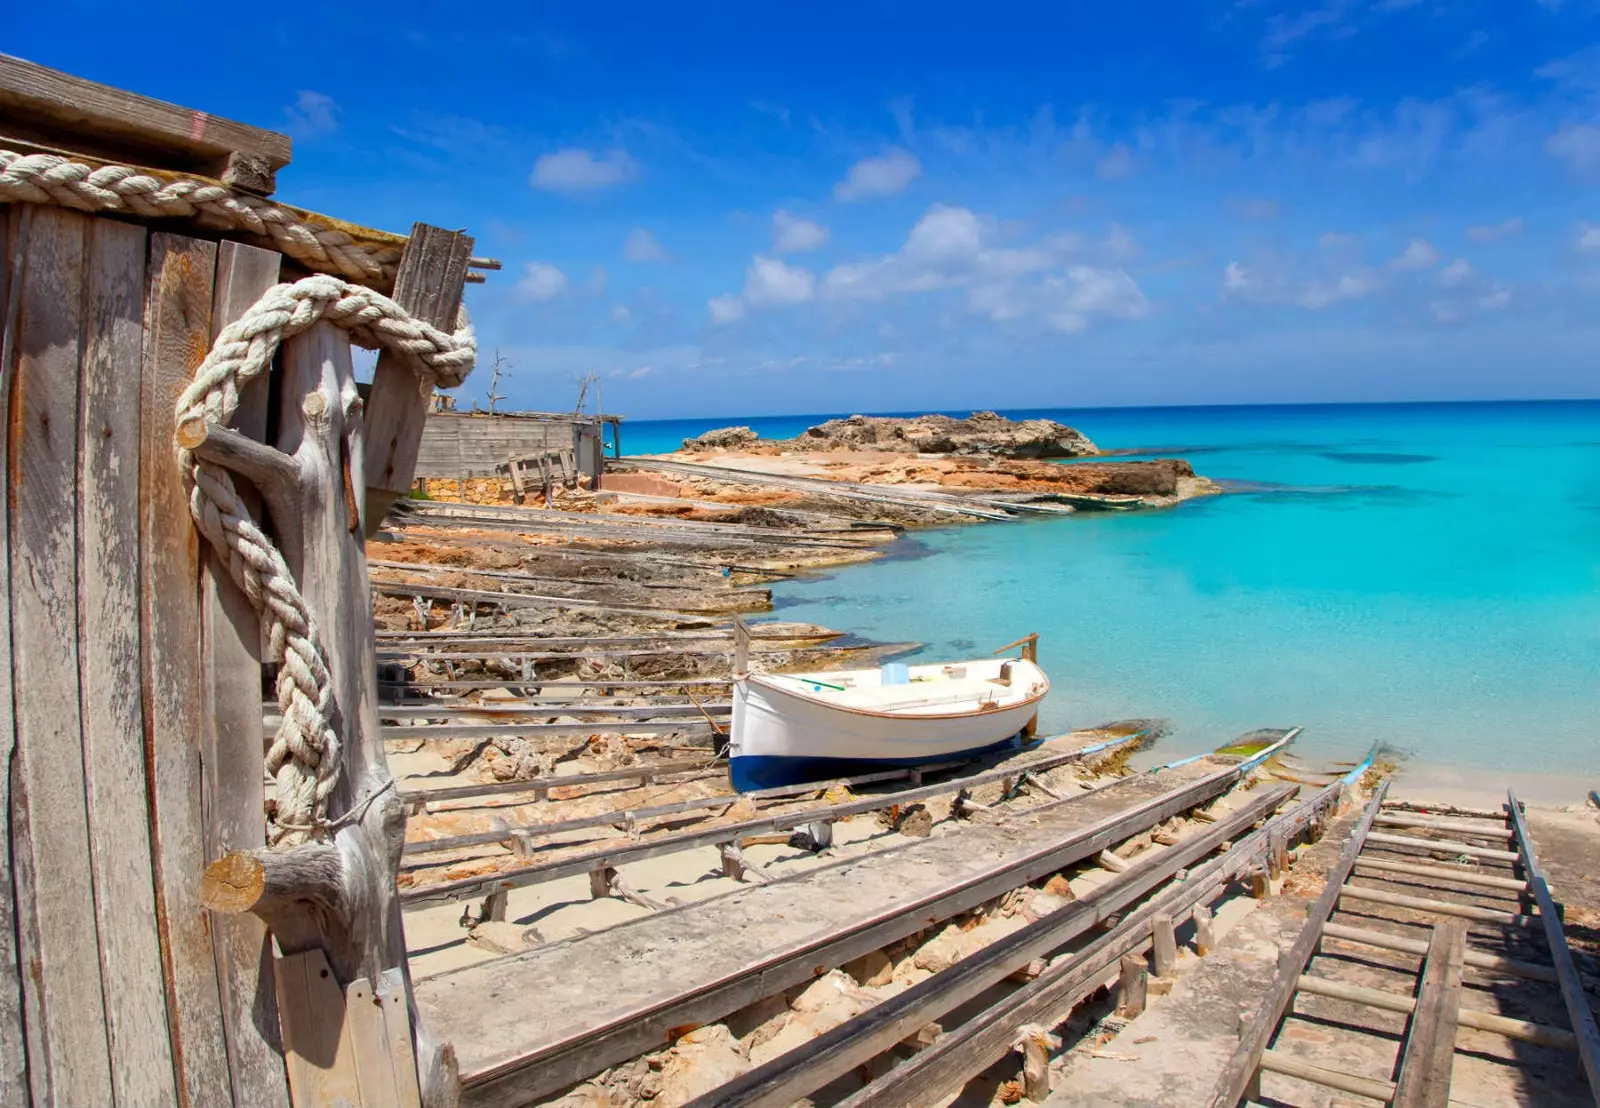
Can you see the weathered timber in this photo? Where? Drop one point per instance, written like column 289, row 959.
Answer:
column 1465, row 830
column 556, row 683
column 518, row 1054
column 807, row 1068
column 53, row 108
column 510, row 600
column 1288, row 1065
column 1428, row 1055
column 235, row 797
column 1442, row 873
column 1245, row 1061
column 1572, row 991
column 982, row 1039
column 1437, row 907
column 108, row 651
column 1443, row 846
column 66, row 1020
column 549, row 707
column 541, row 786
column 178, row 305
column 15, row 220
column 428, row 284
column 450, row 732
column 1522, row 1030
column 653, row 557
column 1477, row 959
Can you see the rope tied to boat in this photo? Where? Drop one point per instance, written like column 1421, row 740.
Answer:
column 304, row 755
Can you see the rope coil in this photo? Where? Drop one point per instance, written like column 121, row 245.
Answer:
column 58, row 180
column 304, row 756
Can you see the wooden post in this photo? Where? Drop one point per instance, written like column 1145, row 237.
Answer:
column 1260, row 883
column 178, row 305
column 235, row 798
column 428, row 284
column 1033, row 1042
column 1205, row 940
column 1164, row 944
column 1132, row 986
column 336, row 897
column 741, row 647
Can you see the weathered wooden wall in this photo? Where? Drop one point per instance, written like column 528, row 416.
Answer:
column 130, row 685
column 459, row 444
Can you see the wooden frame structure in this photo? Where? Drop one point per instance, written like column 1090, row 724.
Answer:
column 163, row 954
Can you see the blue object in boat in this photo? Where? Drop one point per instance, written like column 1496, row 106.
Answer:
column 896, row 673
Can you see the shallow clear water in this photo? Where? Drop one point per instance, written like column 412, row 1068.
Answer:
column 1421, row 574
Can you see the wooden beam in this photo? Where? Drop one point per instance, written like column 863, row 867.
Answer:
column 178, row 306
column 1465, row 830
column 69, row 1052
column 1371, row 1087
column 1441, row 873
column 982, row 1039
column 1521, row 1030
column 542, row 785
column 1428, row 1054
column 61, row 110
column 15, row 220
column 1477, row 959
column 108, row 649
column 1437, row 907
column 1572, row 991
column 428, row 284
column 235, row 795
column 801, row 1071
column 1443, row 846
column 1245, row 1062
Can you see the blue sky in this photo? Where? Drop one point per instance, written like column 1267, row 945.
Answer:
column 737, row 209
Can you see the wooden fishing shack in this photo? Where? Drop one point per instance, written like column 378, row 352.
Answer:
column 193, row 912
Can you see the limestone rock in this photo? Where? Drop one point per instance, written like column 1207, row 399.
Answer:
column 981, row 433
column 871, row 969
column 1059, row 886
column 1041, row 904
column 722, row 438
column 697, row 1063
column 825, row 1004
column 946, row 949
column 756, row 1023
column 501, row 937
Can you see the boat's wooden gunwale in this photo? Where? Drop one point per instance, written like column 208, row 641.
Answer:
column 1030, row 699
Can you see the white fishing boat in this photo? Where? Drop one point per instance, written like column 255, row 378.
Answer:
column 796, row 727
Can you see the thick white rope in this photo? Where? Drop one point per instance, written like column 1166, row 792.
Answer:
column 304, row 756
column 53, row 179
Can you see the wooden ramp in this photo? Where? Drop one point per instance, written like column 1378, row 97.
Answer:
column 532, row 1024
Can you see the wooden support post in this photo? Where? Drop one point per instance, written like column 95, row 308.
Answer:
column 1033, row 1042
column 741, row 647
column 1205, row 940
column 428, row 284
column 1132, row 986
column 495, row 904
column 1260, row 883
column 1164, row 945
column 600, row 882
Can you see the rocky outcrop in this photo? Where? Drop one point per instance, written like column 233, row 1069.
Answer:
column 980, row 433
column 723, row 438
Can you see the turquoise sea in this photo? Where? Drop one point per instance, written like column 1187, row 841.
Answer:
column 1427, row 575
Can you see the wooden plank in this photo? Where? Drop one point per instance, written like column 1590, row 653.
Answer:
column 1371, row 1087
column 982, row 1039
column 1245, row 1061
column 1441, row 873
column 1572, row 992
column 1443, row 846
column 108, row 652
column 1385, row 941
column 319, row 1053
column 69, row 1048
column 177, row 332
column 235, row 797
column 1428, row 1054
column 1465, row 830
column 428, row 284
column 15, row 220
column 1522, row 1030
column 1437, row 907
column 800, row 1072
column 63, row 110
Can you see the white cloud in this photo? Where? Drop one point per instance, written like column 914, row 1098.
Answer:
column 641, row 246
column 1117, row 165
column 1588, row 236
column 884, row 175
column 1456, row 273
column 725, row 309
column 769, row 282
column 793, row 235
column 577, row 170
column 1577, row 144
column 1490, row 232
column 1259, row 285
column 1495, row 299
column 1418, row 254
column 951, row 248
column 621, row 314
column 541, row 282
column 311, row 114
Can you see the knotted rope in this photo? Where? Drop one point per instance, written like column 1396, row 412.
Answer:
column 304, row 756
column 53, row 179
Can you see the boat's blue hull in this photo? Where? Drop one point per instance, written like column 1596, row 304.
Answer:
column 749, row 773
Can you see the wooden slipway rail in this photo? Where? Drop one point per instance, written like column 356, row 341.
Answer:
column 1421, row 1078
column 698, row 963
column 957, row 1055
